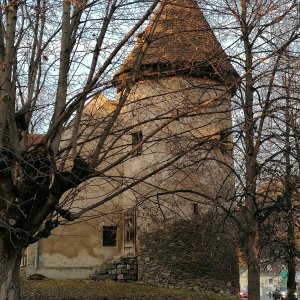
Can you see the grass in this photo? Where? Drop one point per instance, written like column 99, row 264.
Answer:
column 86, row 289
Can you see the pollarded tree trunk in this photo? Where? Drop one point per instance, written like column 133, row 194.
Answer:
column 10, row 259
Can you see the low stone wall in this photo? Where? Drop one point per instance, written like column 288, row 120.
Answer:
column 189, row 254
column 124, row 269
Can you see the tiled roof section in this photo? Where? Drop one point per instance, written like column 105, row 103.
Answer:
column 182, row 42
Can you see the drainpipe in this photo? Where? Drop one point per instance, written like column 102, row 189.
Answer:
column 36, row 255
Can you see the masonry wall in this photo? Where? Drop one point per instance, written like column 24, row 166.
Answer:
column 189, row 254
column 205, row 170
column 77, row 251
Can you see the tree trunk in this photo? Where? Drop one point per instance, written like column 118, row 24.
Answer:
column 10, row 259
column 289, row 191
column 291, row 282
column 291, row 252
column 253, row 263
column 253, row 228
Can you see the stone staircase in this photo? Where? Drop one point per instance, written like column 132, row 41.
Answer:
column 123, row 269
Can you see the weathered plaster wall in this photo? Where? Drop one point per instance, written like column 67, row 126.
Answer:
column 189, row 254
column 205, row 170
column 76, row 251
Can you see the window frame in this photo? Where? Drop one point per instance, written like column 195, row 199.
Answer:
column 109, row 241
column 129, row 228
column 136, row 138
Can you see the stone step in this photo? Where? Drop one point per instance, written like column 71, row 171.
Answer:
column 110, row 266
column 101, row 277
column 101, row 272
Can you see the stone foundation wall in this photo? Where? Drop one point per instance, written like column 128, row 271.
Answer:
column 189, row 254
column 124, row 269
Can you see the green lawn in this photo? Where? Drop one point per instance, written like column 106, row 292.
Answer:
column 86, row 289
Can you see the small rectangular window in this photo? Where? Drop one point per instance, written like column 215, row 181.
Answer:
column 195, row 209
column 225, row 142
column 224, row 136
column 137, row 137
column 109, row 236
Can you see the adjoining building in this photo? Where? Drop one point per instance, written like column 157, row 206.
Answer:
column 170, row 222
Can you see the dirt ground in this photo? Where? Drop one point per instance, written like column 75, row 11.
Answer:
column 87, row 289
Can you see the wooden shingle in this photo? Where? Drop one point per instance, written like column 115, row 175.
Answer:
column 182, row 43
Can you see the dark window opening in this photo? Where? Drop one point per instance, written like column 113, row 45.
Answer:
column 195, row 209
column 137, row 137
column 224, row 149
column 177, row 114
column 224, row 139
column 109, row 236
column 224, row 136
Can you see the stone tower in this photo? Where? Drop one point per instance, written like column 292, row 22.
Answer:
column 178, row 118
column 183, row 89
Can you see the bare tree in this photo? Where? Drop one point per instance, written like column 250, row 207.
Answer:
column 258, row 37
column 55, row 58
column 287, row 181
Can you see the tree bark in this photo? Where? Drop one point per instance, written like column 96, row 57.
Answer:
column 253, row 262
column 251, row 154
column 289, row 190
column 10, row 259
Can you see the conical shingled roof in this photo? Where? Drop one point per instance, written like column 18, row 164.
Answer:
column 182, row 43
